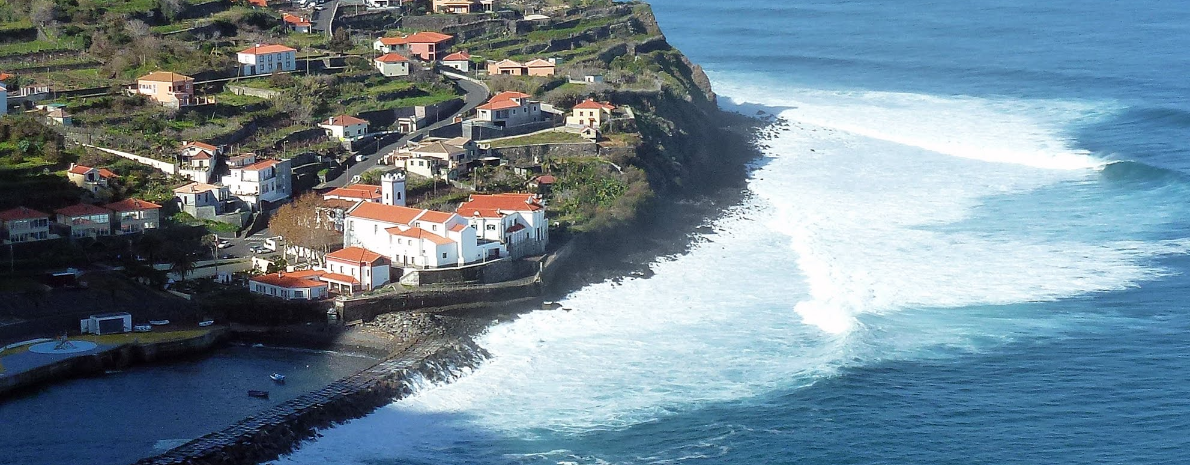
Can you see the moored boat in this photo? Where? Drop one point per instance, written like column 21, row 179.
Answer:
column 260, row 394
column 158, row 322
column 205, row 323
column 278, row 378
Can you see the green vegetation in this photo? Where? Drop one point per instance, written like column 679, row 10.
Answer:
column 144, row 338
column 591, row 194
column 549, row 137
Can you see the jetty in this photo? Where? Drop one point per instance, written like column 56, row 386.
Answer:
column 277, row 430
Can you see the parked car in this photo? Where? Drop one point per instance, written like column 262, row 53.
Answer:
column 224, row 243
column 227, row 256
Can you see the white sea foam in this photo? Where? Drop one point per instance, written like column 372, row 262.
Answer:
column 859, row 245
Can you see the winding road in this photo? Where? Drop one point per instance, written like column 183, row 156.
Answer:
column 476, row 94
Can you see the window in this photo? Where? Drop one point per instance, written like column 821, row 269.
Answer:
column 490, row 227
column 443, row 254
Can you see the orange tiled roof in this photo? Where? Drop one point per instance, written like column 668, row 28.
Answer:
column 293, row 280
column 82, row 209
column 128, row 205
column 21, row 213
column 458, row 56
column 386, row 213
column 391, row 58
column 80, row 169
column 260, row 165
column 345, row 120
column 501, row 105
column 590, row 104
column 201, row 146
column 165, row 76
column 338, row 278
column 486, row 205
column 539, row 63
column 356, row 191
column 354, row 255
column 267, row 48
column 195, row 187
column 435, row 216
column 419, row 233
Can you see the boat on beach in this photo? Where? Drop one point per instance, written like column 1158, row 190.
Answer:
column 277, row 378
column 158, row 322
column 206, row 323
column 258, row 394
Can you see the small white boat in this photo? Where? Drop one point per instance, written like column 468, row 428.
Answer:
column 206, row 323
column 158, row 322
column 142, row 328
column 277, row 378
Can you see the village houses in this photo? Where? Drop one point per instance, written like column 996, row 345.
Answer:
column 536, row 67
column 345, row 127
column 426, row 46
column 509, row 109
column 392, row 64
column 411, row 237
column 202, row 200
column 590, row 113
column 266, row 59
column 458, row 60
column 24, row 225
column 463, row 6
column 436, row 157
column 515, row 220
column 296, row 285
column 91, row 179
column 85, row 220
column 362, row 268
column 336, row 202
column 167, row 88
column 134, row 215
column 258, row 181
column 299, row 24
column 197, row 161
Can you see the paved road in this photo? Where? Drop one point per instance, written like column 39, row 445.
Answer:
column 476, row 95
column 321, row 19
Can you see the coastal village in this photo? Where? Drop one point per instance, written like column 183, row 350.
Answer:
column 172, row 171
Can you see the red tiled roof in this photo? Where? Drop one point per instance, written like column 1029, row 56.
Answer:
column 590, row 104
column 434, row 216
column 354, row 256
column 260, row 165
column 391, row 58
column 500, row 105
column 419, row 233
column 458, row 56
column 356, row 191
column 164, row 76
column 505, row 202
column 201, row 146
column 338, row 203
column 539, row 63
column 508, row 95
column 128, row 205
column 4, row 76
column 267, row 48
column 458, row 227
column 202, row 156
column 294, row 20
column 80, row 169
column 345, row 120
column 21, row 213
column 546, row 179
column 82, row 209
column 417, row 38
column 294, row 280
column 386, row 213
column 338, row 278
column 106, row 173
column 515, row 228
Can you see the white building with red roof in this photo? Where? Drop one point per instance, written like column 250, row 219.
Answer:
column 392, row 64
column 364, row 268
column 296, row 23
column 345, row 127
column 85, row 220
column 509, row 109
column 427, row 46
column 515, row 220
column 458, row 60
column 295, row 285
column 590, row 113
column 256, row 181
column 22, row 224
column 416, row 238
column 135, row 215
column 266, row 59
column 89, row 178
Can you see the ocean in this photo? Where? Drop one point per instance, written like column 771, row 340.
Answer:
column 970, row 246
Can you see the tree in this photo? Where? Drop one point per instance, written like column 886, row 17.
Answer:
column 299, row 224
column 340, row 41
column 171, row 8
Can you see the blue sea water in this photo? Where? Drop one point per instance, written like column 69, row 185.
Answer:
column 969, row 247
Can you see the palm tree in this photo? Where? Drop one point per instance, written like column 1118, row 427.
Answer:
column 181, row 262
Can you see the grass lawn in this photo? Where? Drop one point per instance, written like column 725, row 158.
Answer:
column 551, row 137
column 33, row 46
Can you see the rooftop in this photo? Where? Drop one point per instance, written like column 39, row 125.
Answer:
column 354, row 255
column 82, row 209
column 165, row 76
column 345, row 120
column 391, row 58
column 21, row 213
column 260, row 49
column 128, row 205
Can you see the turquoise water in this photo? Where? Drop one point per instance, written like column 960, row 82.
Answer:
column 970, row 247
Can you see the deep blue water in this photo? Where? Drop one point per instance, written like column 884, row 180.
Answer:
column 970, row 247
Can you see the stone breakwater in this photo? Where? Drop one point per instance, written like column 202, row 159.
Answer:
column 278, row 430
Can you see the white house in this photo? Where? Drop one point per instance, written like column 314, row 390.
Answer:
column 509, row 109
column 296, row 23
column 85, row 220
column 106, row 323
column 410, row 237
column 458, row 60
column 365, row 269
column 392, row 64
column 258, row 181
column 515, row 220
column 590, row 113
column 344, row 127
column 198, row 196
column 196, row 161
column 89, row 178
column 436, row 157
column 25, row 225
column 297, row 285
column 135, row 215
column 266, row 59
